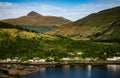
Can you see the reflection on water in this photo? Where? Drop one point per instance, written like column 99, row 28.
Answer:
column 89, row 70
column 42, row 71
column 77, row 71
column 66, row 69
column 114, row 68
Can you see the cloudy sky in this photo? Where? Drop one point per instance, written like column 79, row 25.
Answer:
column 70, row 9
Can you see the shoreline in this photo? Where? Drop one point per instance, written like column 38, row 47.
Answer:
column 21, row 70
column 63, row 63
column 26, row 68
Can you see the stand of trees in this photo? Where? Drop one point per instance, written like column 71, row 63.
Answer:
column 30, row 48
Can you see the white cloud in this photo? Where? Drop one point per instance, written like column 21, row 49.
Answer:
column 9, row 10
column 5, row 4
column 12, row 10
column 48, row 7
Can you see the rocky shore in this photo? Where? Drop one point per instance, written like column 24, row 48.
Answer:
column 11, row 70
column 4, row 73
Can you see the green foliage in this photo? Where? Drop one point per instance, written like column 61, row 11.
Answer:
column 27, row 48
column 17, row 75
column 112, row 34
column 30, row 48
column 103, row 26
column 5, row 25
column 97, row 34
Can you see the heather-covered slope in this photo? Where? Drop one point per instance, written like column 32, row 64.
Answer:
column 110, row 35
column 92, row 26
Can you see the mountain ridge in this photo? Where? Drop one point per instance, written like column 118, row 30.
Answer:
column 33, row 13
column 89, row 27
column 36, row 19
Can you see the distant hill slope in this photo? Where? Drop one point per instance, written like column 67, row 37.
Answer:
column 8, row 31
column 7, row 26
column 39, row 29
column 112, row 34
column 26, row 45
column 36, row 19
column 93, row 26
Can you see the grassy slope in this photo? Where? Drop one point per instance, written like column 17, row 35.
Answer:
column 15, row 42
column 13, row 33
column 87, row 27
column 112, row 34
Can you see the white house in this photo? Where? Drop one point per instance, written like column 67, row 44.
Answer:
column 8, row 60
column 36, row 60
column 42, row 60
column 16, row 59
column 65, row 59
column 76, row 58
column 79, row 53
column 113, row 59
column 87, row 59
column 30, row 60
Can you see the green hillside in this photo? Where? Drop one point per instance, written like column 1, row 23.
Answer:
column 92, row 26
column 102, row 26
column 110, row 35
column 26, row 45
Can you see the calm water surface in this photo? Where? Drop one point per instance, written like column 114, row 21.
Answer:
column 77, row 71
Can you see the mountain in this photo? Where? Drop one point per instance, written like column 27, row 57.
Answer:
column 102, row 25
column 112, row 34
column 7, row 26
column 32, row 13
column 36, row 19
column 26, row 45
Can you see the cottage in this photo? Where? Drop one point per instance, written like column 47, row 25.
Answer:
column 113, row 59
column 36, row 60
column 75, row 58
column 42, row 60
column 8, row 60
column 65, row 59
column 79, row 53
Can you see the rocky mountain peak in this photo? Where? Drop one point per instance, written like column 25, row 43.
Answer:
column 33, row 13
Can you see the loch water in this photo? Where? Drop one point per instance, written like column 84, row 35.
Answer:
column 77, row 71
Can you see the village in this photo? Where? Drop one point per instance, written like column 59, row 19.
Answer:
column 10, row 66
column 51, row 59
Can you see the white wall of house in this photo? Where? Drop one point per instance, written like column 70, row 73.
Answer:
column 65, row 59
column 113, row 59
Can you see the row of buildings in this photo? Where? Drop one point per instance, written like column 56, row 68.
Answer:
column 38, row 60
column 113, row 59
